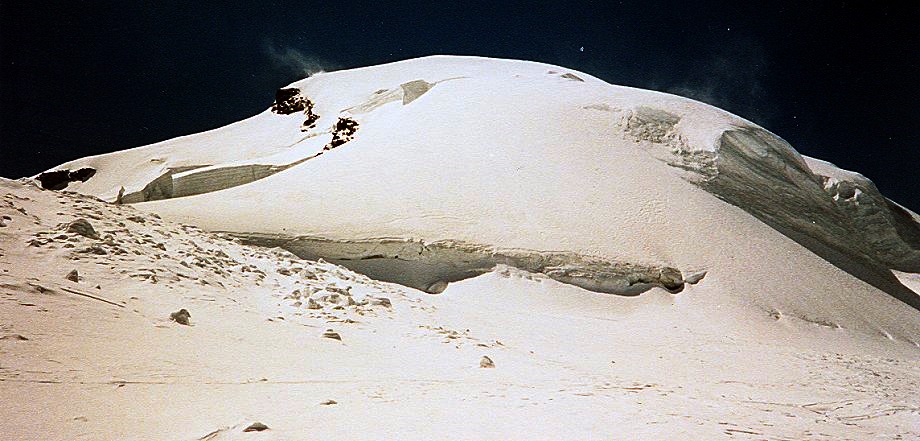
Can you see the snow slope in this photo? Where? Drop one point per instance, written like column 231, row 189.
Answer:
column 459, row 164
column 97, row 357
column 635, row 264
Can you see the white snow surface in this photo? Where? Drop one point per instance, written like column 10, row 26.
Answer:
column 96, row 356
column 524, row 157
column 470, row 177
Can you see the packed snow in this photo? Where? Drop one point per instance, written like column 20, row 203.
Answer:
column 461, row 247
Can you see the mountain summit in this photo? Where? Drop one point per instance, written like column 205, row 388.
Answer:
column 433, row 170
column 459, row 248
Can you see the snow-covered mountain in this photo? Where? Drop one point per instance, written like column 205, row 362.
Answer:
column 436, row 169
column 579, row 260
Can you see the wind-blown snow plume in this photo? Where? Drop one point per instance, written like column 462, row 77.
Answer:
column 731, row 80
column 293, row 61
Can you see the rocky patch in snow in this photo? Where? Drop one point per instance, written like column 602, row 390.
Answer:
column 342, row 132
column 256, row 427
column 289, row 100
column 181, row 317
column 310, row 118
column 91, row 235
column 59, row 179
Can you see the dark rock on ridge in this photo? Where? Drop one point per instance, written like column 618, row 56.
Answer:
column 59, row 179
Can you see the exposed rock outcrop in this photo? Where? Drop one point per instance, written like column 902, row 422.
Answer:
column 332, row 334
column 288, row 101
column 83, row 228
column 342, row 132
column 256, row 427
column 181, row 317
column 60, row 179
column 309, row 121
column 73, row 276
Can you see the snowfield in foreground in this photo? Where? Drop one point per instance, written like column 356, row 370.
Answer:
column 98, row 357
column 569, row 258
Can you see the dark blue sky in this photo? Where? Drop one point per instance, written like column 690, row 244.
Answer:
column 838, row 80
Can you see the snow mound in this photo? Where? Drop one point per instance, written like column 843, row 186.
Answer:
column 465, row 163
